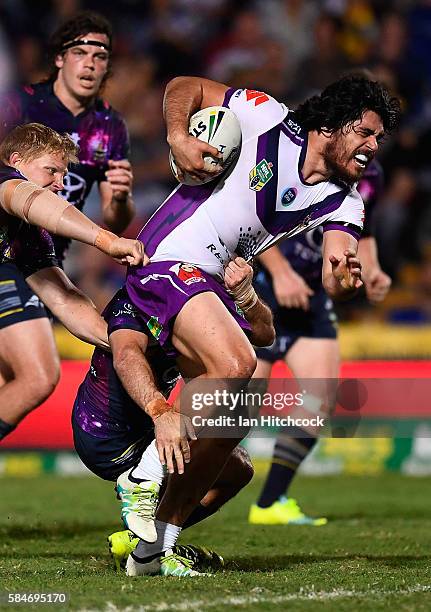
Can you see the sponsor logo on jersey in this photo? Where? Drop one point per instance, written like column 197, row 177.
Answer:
column 126, row 309
column 155, row 327
column 288, row 196
column 188, row 274
column 259, row 97
column 260, row 175
column 292, row 126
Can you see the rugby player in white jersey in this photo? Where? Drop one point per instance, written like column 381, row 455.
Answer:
column 296, row 171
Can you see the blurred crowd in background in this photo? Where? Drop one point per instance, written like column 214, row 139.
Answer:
column 288, row 48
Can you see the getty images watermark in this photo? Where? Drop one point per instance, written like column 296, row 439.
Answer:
column 252, row 401
column 345, row 407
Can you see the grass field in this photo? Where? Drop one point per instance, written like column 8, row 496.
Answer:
column 374, row 553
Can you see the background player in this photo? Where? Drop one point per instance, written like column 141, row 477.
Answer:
column 69, row 102
column 306, row 340
column 29, row 365
column 120, row 408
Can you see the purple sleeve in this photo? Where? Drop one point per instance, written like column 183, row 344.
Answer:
column 119, row 145
column 121, row 141
column 35, row 250
column 228, row 95
column 349, row 228
column 120, row 313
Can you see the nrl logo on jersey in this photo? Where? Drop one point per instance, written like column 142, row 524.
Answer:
column 260, row 175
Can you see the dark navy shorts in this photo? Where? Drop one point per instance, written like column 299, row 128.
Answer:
column 17, row 301
column 108, row 457
column 320, row 321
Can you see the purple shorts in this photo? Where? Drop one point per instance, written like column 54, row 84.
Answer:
column 160, row 290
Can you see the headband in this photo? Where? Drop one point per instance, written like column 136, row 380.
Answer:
column 85, row 41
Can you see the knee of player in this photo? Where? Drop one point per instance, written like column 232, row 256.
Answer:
column 240, row 364
column 244, row 470
column 48, row 380
column 40, row 383
column 246, row 466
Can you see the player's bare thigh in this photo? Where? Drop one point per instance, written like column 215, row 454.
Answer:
column 27, row 349
column 314, row 358
column 207, row 334
column 315, row 363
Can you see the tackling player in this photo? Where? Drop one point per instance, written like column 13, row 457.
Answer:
column 306, row 340
column 296, row 171
column 120, row 409
column 69, row 102
column 38, row 154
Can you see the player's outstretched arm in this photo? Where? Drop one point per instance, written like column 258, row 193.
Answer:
column 71, row 307
column 43, row 208
column 183, row 97
column 172, row 429
column 377, row 283
column 341, row 268
column 238, row 278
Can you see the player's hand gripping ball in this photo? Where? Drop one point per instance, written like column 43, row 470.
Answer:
column 219, row 127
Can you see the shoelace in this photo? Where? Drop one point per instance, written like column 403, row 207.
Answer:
column 144, row 503
column 188, row 563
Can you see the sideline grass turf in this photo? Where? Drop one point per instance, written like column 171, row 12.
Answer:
column 374, row 553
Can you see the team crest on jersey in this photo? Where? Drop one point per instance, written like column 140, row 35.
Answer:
column 288, row 196
column 260, row 175
column 155, row 327
column 188, row 274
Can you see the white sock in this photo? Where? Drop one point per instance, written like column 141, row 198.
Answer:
column 167, row 535
column 149, row 467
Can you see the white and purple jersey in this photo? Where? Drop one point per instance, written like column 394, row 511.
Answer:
column 260, row 201
column 304, row 252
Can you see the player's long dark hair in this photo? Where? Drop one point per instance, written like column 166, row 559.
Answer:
column 81, row 24
column 345, row 101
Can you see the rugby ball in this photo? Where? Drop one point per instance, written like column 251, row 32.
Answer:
column 219, row 127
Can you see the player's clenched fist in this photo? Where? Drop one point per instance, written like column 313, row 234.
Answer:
column 377, row 285
column 123, row 250
column 237, row 271
column 120, row 177
column 238, row 278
